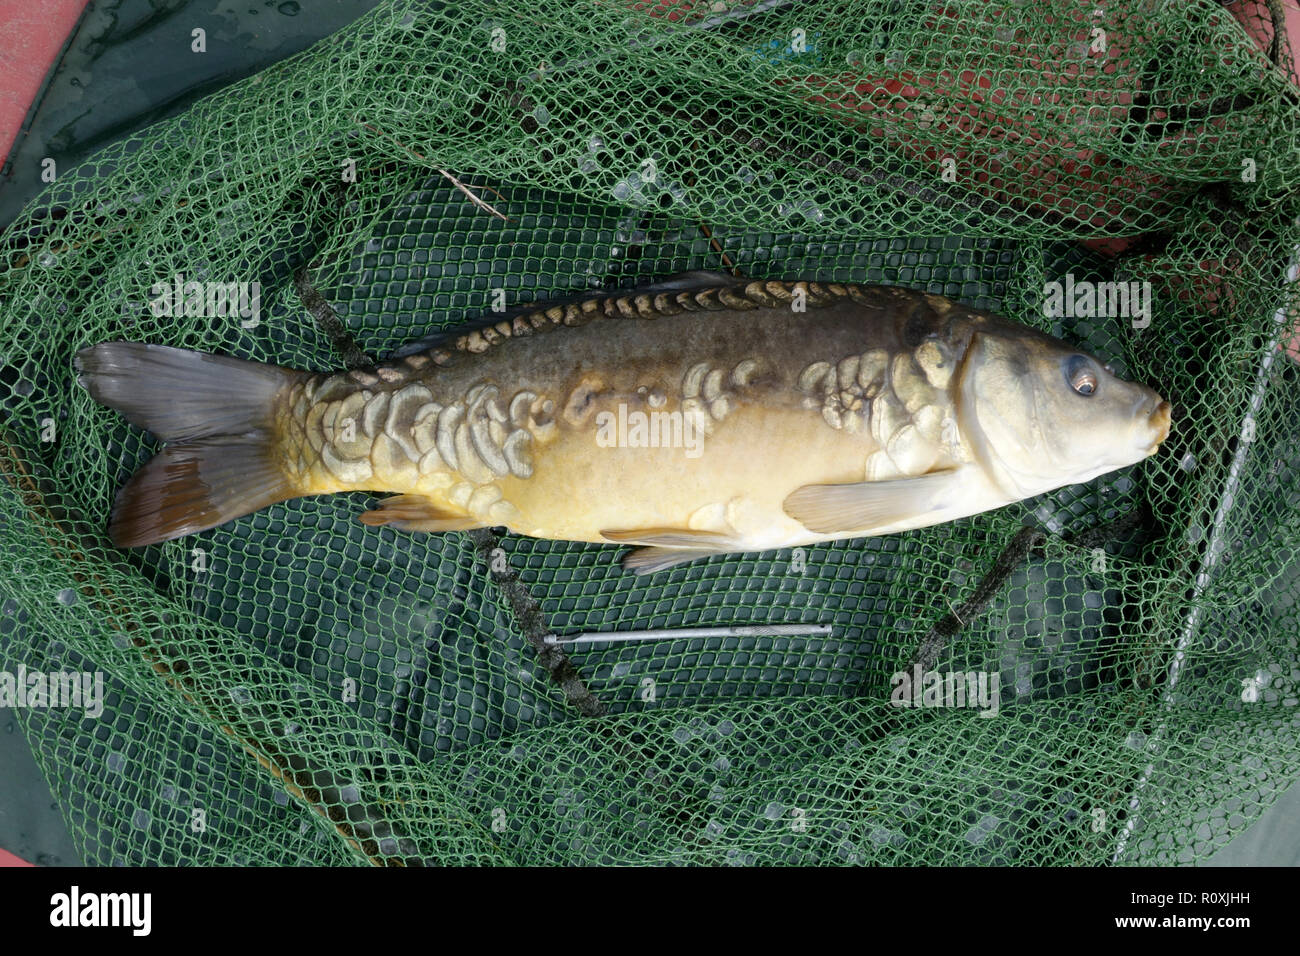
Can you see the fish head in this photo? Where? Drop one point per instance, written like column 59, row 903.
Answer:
column 1040, row 414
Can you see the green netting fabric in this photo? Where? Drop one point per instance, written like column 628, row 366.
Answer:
column 298, row 688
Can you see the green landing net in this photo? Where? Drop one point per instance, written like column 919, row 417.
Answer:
column 298, row 688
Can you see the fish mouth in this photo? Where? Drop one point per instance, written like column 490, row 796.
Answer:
column 1159, row 421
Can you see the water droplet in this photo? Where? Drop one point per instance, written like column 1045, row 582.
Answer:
column 67, row 597
column 116, row 762
column 811, row 212
column 980, row 831
column 1187, row 462
column 847, row 851
column 47, row 260
column 774, row 811
column 241, row 695
column 168, row 793
column 141, row 819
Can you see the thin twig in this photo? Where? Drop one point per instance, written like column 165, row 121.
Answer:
column 1022, row 544
column 1277, row 15
column 936, row 639
column 327, row 321
column 481, row 203
column 475, row 199
column 1112, row 530
column 528, row 615
column 708, row 233
column 717, row 247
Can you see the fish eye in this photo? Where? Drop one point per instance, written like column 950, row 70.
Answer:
column 1081, row 375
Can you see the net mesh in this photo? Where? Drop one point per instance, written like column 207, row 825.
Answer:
column 295, row 687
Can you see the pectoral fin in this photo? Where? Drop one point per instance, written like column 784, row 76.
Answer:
column 868, row 505
column 668, row 547
column 417, row 513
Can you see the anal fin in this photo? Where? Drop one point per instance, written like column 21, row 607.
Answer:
column 668, row 547
column 417, row 513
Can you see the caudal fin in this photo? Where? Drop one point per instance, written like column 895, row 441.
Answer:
column 216, row 411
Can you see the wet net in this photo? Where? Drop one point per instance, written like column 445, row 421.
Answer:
column 295, row 687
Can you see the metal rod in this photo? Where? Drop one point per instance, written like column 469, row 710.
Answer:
column 671, row 633
column 1214, row 550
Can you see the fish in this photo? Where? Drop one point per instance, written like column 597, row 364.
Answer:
column 702, row 415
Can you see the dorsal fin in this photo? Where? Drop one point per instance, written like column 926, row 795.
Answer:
column 698, row 291
column 447, row 338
